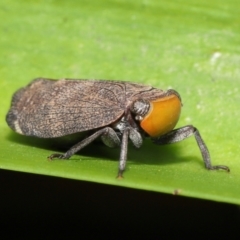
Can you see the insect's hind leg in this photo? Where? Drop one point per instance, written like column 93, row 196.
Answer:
column 182, row 133
column 107, row 132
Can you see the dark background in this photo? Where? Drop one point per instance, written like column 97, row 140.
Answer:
column 44, row 207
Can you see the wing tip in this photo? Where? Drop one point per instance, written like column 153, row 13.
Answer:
column 12, row 121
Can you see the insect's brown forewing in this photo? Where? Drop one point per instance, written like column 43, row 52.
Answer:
column 48, row 108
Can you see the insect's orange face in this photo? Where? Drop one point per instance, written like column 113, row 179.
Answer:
column 163, row 115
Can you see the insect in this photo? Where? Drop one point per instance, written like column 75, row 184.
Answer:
column 115, row 111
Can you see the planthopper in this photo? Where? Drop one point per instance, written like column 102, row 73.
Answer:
column 115, row 111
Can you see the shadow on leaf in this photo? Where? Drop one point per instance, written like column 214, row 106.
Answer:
column 149, row 153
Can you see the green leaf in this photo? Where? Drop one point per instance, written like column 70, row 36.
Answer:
column 190, row 46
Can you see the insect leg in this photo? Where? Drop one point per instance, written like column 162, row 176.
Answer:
column 111, row 138
column 182, row 133
column 123, row 153
column 77, row 147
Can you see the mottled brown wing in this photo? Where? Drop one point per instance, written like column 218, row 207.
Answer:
column 48, row 108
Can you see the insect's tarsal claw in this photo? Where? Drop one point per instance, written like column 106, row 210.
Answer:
column 220, row 167
column 50, row 158
column 120, row 175
column 56, row 155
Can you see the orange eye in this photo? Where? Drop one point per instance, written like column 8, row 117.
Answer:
column 162, row 117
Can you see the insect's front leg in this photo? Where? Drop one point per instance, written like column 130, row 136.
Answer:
column 123, row 153
column 107, row 131
column 182, row 133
